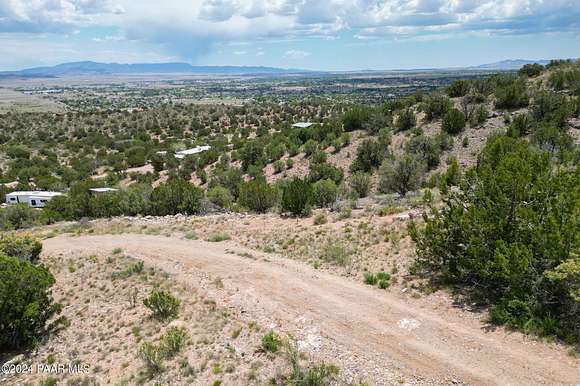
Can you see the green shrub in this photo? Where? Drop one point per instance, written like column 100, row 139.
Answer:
column 382, row 275
column 531, row 70
column 321, row 374
column 325, row 171
column 257, row 195
column 381, row 279
column 504, row 249
column 18, row 152
column 552, row 108
column 511, row 93
column 452, row 175
column 278, row 166
column 360, row 184
column 345, row 212
column 481, row 115
column 133, row 269
column 458, row 88
column 445, row 140
column 252, row 154
column 26, row 248
column 18, row 216
column 218, row 237
column 220, row 196
column 324, row 193
column 26, row 304
column 369, row 155
column 176, row 196
column 370, row 278
column 406, row 120
column 520, row 126
column 384, row 284
column 152, row 356
column 271, row 342
column 453, row 122
column 355, row 118
column 173, row 341
column 401, row 175
column 436, row 106
column 548, row 137
column 320, row 219
column 200, row 173
column 310, row 147
column 566, row 79
column 163, row 304
column 427, row 148
column 136, row 156
column 50, row 381
column 297, row 197
column 158, row 162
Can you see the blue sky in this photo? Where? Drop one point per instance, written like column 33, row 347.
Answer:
column 309, row 34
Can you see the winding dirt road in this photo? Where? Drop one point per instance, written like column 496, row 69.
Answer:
column 390, row 334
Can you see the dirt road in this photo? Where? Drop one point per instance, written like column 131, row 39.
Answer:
column 388, row 334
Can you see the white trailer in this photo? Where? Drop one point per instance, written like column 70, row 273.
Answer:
column 34, row 199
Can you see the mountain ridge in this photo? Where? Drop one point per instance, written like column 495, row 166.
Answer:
column 98, row 68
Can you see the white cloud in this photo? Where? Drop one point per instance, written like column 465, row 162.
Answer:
column 53, row 15
column 109, row 38
column 190, row 28
column 296, row 54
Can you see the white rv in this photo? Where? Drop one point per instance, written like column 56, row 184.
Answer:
column 34, row 199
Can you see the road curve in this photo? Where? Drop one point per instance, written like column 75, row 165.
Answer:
column 382, row 327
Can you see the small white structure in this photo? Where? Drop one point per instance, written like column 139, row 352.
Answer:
column 302, row 125
column 102, row 190
column 183, row 153
column 34, row 199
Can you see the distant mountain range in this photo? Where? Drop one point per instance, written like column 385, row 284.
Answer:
column 512, row 64
column 94, row 68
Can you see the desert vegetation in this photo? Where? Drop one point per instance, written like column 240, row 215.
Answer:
column 465, row 189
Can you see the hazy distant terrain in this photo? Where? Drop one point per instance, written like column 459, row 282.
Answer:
column 103, row 69
column 94, row 68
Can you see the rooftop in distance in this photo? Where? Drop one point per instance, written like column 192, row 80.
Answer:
column 302, row 125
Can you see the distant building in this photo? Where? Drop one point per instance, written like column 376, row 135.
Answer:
column 183, row 153
column 302, row 125
column 34, row 199
column 102, row 190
